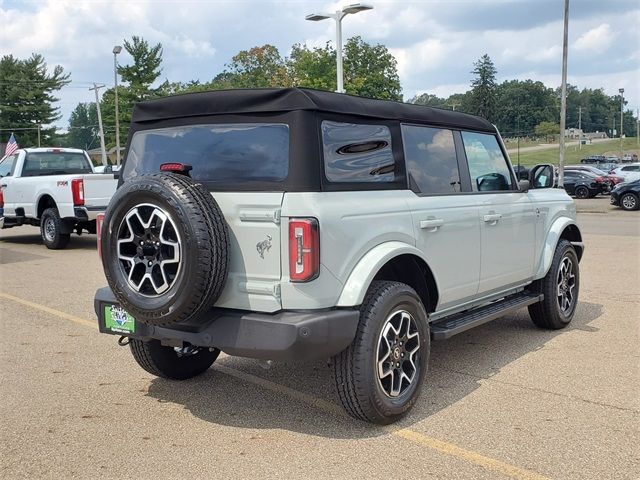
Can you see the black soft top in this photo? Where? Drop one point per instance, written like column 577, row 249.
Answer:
column 279, row 100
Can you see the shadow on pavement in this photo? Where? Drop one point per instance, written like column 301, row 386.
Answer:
column 457, row 367
column 83, row 242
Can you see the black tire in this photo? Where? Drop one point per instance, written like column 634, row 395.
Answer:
column 581, row 192
column 51, row 228
column 359, row 386
column 629, row 201
column 164, row 362
column 195, row 224
column 548, row 314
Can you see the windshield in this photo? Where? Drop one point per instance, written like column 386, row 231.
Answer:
column 223, row 153
column 55, row 163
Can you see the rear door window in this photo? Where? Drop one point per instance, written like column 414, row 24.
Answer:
column 6, row 165
column 487, row 165
column 357, row 152
column 431, row 160
column 224, row 153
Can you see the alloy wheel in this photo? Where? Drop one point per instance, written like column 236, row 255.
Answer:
column 49, row 229
column 398, row 353
column 149, row 249
column 629, row 202
column 566, row 285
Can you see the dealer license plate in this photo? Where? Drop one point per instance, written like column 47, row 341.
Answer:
column 118, row 320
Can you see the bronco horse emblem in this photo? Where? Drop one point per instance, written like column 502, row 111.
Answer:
column 264, row 246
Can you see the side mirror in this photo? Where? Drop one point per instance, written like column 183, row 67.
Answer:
column 116, row 175
column 542, row 176
column 523, row 186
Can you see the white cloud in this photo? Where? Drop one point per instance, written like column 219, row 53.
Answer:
column 596, row 40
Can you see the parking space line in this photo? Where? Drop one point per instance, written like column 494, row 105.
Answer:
column 410, row 435
column 52, row 311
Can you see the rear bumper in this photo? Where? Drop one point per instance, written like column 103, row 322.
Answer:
column 287, row 335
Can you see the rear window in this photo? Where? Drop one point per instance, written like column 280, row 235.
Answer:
column 218, row 153
column 55, row 163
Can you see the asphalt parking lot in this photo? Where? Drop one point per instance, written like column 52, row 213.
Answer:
column 505, row 400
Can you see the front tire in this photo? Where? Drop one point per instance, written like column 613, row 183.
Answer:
column 51, row 227
column 560, row 287
column 379, row 376
column 629, row 202
column 165, row 362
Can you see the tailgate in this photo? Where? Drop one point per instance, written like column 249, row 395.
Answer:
column 98, row 189
column 255, row 250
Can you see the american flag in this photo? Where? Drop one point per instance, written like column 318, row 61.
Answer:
column 12, row 146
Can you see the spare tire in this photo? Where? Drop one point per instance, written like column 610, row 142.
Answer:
column 165, row 248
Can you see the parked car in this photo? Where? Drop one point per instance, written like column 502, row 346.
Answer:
column 628, row 157
column 294, row 224
column 606, row 167
column 626, row 195
column 629, row 172
column 612, row 179
column 612, row 159
column 594, row 159
column 54, row 188
column 585, row 184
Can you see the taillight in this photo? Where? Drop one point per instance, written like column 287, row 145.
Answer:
column 176, row 168
column 77, row 191
column 304, row 249
column 599, row 179
column 1, row 198
column 99, row 221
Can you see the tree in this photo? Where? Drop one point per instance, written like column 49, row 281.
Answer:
column 313, row 68
column 547, row 129
column 258, row 67
column 27, row 99
column 371, row 71
column 83, row 127
column 430, row 100
column 137, row 81
column 483, row 88
column 521, row 105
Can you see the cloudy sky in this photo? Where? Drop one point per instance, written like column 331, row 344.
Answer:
column 434, row 41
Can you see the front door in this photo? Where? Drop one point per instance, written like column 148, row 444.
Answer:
column 444, row 213
column 506, row 215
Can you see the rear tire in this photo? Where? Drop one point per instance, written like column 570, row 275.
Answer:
column 51, row 227
column 392, row 340
column 582, row 192
column 629, row 202
column 562, row 281
column 165, row 362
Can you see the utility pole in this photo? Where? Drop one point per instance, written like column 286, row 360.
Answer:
column 563, row 100
column 39, row 126
column 580, row 128
column 638, row 127
column 102, row 147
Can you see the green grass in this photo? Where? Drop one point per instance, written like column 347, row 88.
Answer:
column 573, row 155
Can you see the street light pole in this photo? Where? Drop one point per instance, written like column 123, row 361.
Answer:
column 116, row 50
column 563, row 100
column 338, row 16
column 103, row 150
column 621, row 90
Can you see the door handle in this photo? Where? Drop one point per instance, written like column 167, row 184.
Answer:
column 432, row 223
column 492, row 218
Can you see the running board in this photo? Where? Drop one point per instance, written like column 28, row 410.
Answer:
column 461, row 322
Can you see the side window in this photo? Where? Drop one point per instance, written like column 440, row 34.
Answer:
column 430, row 156
column 6, row 165
column 357, row 152
column 487, row 165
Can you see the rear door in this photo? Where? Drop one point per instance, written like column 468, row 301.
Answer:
column 444, row 211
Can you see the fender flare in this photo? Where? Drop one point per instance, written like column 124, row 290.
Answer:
column 551, row 241
column 356, row 286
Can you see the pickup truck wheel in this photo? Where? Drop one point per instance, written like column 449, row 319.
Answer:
column 165, row 248
column 51, row 230
column 560, row 287
column 172, row 363
column 379, row 376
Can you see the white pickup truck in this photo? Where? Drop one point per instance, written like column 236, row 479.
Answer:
column 54, row 188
